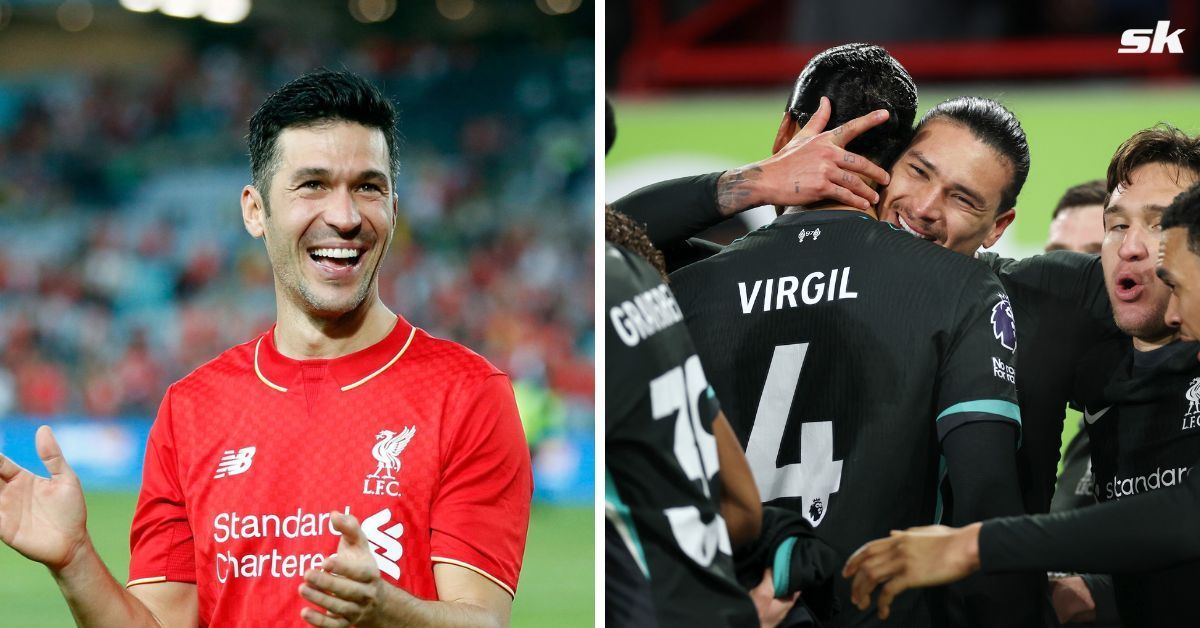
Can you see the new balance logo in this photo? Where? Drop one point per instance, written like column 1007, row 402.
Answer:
column 235, row 462
column 1140, row 40
column 385, row 543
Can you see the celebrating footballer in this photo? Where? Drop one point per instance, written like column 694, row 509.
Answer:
column 342, row 468
column 887, row 378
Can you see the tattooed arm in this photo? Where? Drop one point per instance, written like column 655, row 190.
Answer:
column 812, row 166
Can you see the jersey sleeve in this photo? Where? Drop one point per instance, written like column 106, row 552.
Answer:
column 161, row 544
column 1145, row 532
column 1071, row 282
column 674, row 210
column 480, row 515
column 977, row 377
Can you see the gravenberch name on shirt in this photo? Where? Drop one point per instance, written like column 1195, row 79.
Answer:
column 765, row 295
column 645, row 315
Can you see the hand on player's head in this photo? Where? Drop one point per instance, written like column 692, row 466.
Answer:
column 45, row 519
column 814, row 164
column 347, row 588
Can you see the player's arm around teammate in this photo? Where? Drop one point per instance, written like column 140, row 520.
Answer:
column 350, row 590
column 813, row 165
column 45, row 519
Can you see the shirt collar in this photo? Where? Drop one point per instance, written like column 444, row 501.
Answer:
column 810, row 216
column 280, row 372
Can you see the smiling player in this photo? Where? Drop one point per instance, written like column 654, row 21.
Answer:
column 262, row 462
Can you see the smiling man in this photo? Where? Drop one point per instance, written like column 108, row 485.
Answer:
column 262, row 462
column 798, row 323
column 957, row 182
column 1141, row 410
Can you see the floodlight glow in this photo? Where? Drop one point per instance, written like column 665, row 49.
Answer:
column 226, row 11
column 455, row 9
column 140, row 6
column 368, row 11
column 75, row 15
column 557, row 7
column 181, row 8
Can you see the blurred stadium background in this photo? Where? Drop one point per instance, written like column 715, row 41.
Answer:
column 125, row 263
column 700, row 86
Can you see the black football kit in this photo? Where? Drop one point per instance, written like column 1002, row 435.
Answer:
column 1058, row 299
column 848, row 357
column 1142, row 410
column 662, row 493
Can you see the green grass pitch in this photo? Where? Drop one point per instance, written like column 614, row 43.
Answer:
column 556, row 588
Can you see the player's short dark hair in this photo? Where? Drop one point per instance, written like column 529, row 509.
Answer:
column 1184, row 211
column 316, row 98
column 1088, row 193
column 610, row 126
column 624, row 231
column 1161, row 143
column 993, row 124
column 858, row 79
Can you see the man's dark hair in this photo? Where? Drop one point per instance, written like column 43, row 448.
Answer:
column 1089, row 193
column 319, row 97
column 1184, row 211
column 858, row 79
column 1161, row 143
column 993, row 124
column 625, row 231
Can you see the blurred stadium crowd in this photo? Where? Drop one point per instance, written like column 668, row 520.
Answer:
column 126, row 264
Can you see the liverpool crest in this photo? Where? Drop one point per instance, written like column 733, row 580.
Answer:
column 388, row 447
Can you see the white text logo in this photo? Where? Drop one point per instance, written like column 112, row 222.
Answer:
column 235, row 462
column 1161, row 478
column 1140, row 40
column 385, row 544
column 387, row 454
column 1004, row 371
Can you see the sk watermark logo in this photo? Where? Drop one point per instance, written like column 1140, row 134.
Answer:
column 1155, row 41
column 387, row 451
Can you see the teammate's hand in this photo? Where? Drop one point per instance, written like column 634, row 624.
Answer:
column 771, row 610
column 1072, row 600
column 45, row 519
column 813, row 166
column 347, row 588
column 917, row 557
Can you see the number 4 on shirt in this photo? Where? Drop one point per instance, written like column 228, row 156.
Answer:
column 817, row 475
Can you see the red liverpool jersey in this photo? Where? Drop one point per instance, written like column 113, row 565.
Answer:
column 417, row 437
